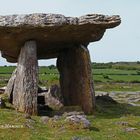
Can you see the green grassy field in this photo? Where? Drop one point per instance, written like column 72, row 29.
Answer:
column 105, row 124
column 110, row 76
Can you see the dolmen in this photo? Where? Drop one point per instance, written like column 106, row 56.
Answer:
column 25, row 39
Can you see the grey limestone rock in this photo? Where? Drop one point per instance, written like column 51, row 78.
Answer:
column 80, row 120
column 53, row 32
column 44, row 119
column 53, row 98
column 130, row 129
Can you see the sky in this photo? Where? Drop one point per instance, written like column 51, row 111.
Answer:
column 118, row 44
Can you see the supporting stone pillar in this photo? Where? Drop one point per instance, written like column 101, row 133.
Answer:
column 76, row 81
column 26, row 82
column 10, row 86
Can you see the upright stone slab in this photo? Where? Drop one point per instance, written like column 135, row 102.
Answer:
column 26, row 82
column 10, row 86
column 76, row 81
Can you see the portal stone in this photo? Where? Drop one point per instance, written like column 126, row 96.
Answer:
column 26, row 82
column 76, row 81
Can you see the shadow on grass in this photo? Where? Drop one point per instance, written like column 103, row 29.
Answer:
column 94, row 129
column 44, row 110
column 108, row 108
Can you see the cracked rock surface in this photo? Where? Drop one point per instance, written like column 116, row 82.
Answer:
column 52, row 32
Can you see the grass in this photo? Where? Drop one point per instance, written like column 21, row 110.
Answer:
column 117, row 87
column 109, row 79
column 6, row 69
column 113, row 71
column 103, row 125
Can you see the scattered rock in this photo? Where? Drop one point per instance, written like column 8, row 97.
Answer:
column 76, row 138
column 28, row 126
column 130, row 129
column 67, row 114
column 71, row 119
column 27, row 116
column 132, row 104
column 42, row 89
column 79, row 120
column 131, row 98
column 45, row 119
column 2, row 90
column 57, row 117
column 29, row 123
column 79, row 138
column 2, row 103
column 122, row 123
column 137, row 100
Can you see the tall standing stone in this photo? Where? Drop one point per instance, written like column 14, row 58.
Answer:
column 76, row 81
column 26, row 82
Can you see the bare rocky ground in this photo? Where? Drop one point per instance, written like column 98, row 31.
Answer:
column 132, row 98
column 128, row 97
column 117, row 118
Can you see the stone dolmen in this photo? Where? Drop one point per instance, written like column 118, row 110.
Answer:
column 25, row 39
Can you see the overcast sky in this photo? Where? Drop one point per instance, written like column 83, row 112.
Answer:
column 118, row 44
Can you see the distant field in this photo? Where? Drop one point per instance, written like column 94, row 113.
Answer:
column 105, row 74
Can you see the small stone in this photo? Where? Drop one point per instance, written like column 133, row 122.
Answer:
column 2, row 90
column 56, row 117
column 29, row 124
column 76, row 138
column 27, row 116
column 122, row 123
column 45, row 119
column 130, row 129
column 66, row 114
column 80, row 120
column 81, row 138
column 42, row 89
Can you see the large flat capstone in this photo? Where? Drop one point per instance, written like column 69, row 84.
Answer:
column 52, row 32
